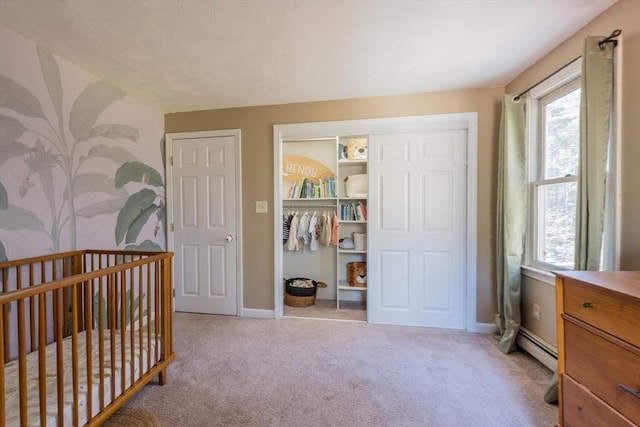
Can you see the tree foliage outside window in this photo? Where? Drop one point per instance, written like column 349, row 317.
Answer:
column 553, row 183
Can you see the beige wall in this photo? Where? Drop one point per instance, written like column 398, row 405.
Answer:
column 257, row 123
column 624, row 15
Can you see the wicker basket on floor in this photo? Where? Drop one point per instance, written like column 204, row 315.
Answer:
column 295, row 301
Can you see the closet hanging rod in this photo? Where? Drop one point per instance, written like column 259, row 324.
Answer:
column 298, row 206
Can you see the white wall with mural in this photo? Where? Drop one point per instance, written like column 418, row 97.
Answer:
column 81, row 163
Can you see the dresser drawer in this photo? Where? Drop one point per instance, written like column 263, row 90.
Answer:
column 582, row 409
column 604, row 367
column 616, row 314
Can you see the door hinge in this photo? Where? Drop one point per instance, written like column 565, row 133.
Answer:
column 174, row 293
column 172, row 228
column 171, row 161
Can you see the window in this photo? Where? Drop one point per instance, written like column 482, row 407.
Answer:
column 553, row 122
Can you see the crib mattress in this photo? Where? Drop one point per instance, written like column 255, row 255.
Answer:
column 12, row 397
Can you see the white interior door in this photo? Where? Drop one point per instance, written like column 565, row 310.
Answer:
column 205, row 225
column 417, row 237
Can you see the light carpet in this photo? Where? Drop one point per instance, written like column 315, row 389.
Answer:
column 232, row 371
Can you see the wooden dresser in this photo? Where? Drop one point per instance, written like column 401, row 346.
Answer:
column 598, row 348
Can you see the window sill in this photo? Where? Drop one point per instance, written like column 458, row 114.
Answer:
column 538, row 274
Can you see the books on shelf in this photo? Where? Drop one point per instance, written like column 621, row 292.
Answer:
column 355, row 211
column 307, row 189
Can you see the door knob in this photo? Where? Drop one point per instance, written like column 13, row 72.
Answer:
column 229, row 238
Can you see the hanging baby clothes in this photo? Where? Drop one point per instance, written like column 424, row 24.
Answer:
column 303, row 230
column 286, row 220
column 334, row 230
column 292, row 243
column 326, row 229
column 314, row 231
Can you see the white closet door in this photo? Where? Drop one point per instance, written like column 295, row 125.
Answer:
column 417, row 237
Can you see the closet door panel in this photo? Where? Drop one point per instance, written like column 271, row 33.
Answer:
column 393, row 268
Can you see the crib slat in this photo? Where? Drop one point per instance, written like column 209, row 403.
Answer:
column 59, row 324
column 22, row 357
column 42, row 360
column 32, row 312
column 74, row 352
column 88, row 327
column 123, row 335
column 2, row 359
column 101, row 326
column 148, row 283
column 140, row 321
column 111, row 307
column 132, row 329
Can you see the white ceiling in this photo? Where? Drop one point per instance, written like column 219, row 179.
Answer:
column 184, row 55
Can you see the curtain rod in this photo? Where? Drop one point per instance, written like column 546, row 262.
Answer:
column 610, row 39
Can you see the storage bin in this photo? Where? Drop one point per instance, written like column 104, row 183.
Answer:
column 357, row 274
column 360, row 241
column 356, row 185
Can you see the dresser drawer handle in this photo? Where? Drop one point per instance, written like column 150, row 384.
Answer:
column 586, row 304
column 634, row 392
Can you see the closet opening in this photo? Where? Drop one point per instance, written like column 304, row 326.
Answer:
column 323, row 202
column 407, row 220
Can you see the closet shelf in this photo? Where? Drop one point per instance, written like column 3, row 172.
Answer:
column 344, row 162
column 351, row 251
column 344, row 286
column 350, row 221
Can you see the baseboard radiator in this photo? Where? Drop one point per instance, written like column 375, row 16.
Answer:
column 538, row 348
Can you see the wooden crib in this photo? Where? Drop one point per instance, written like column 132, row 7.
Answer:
column 82, row 332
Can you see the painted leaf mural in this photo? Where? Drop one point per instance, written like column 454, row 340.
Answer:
column 140, row 206
column 64, row 155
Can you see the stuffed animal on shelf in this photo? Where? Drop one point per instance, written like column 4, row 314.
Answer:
column 357, row 149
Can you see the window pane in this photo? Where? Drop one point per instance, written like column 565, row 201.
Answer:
column 562, row 136
column 557, row 223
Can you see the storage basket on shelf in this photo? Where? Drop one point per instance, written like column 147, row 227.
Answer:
column 357, row 274
column 356, row 186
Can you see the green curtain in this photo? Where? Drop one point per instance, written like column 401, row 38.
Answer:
column 595, row 118
column 595, row 129
column 511, row 220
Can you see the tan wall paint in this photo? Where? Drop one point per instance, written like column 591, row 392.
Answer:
column 625, row 15
column 257, row 123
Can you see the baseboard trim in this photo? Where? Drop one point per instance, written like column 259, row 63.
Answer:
column 538, row 348
column 258, row 313
column 482, row 328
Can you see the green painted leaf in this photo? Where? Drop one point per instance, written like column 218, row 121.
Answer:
column 147, row 245
column 138, row 223
column 15, row 218
column 3, row 254
column 137, row 172
column 88, row 106
column 10, row 129
column 104, row 207
column 117, row 154
column 136, row 203
column 4, row 197
column 18, row 98
column 115, row 131
column 51, row 74
column 13, row 149
column 95, row 183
